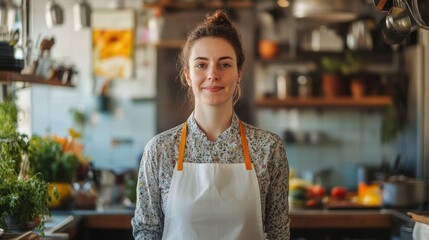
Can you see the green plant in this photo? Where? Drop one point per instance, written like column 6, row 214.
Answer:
column 47, row 157
column 23, row 198
column 12, row 143
column 352, row 63
column 330, row 64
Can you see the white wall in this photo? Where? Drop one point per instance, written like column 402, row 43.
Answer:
column 131, row 123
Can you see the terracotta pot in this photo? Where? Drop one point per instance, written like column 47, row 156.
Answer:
column 357, row 87
column 12, row 224
column 331, row 85
column 268, row 49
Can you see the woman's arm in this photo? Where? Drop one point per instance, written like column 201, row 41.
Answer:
column 277, row 206
column 148, row 217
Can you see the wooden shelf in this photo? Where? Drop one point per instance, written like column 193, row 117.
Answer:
column 340, row 102
column 173, row 43
column 6, row 76
column 213, row 4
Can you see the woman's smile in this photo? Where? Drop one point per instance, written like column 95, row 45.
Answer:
column 213, row 89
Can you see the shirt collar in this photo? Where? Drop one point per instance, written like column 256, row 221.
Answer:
column 229, row 133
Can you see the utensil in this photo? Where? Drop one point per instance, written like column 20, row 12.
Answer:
column 395, row 26
column 398, row 20
column 54, row 14
column 82, row 15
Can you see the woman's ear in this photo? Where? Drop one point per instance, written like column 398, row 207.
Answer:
column 188, row 79
column 240, row 74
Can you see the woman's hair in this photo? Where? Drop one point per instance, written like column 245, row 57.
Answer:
column 216, row 25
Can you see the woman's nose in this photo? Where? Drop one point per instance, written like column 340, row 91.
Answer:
column 213, row 73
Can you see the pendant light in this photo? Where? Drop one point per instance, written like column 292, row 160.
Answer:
column 326, row 10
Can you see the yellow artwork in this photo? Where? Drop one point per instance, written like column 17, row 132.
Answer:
column 113, row 41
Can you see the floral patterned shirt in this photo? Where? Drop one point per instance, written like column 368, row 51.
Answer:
column 267, row 153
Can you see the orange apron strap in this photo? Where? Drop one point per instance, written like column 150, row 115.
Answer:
column 182, row 148
column 245, row 147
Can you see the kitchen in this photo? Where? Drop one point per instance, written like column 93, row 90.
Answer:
column 114, row 138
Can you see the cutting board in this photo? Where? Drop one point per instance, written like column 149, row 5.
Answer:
column 347, row 204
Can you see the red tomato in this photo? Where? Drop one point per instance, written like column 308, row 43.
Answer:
column 317, row 191
column 311, row 203
column 339, row 192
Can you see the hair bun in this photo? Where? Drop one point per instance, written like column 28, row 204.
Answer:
column 219, row 18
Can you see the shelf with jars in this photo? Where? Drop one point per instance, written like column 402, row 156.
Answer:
column 9, row 76
column 316, row 102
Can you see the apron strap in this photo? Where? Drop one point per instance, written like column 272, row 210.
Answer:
column 245, row 147
column 243, row 142
column 182, row 148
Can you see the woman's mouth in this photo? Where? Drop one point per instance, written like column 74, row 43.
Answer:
column 213, row 89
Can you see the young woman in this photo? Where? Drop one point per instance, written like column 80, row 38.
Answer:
column 213, row 177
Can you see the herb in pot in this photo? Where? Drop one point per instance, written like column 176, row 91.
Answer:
column 24, row 198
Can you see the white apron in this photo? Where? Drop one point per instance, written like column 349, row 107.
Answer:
column 211, row 201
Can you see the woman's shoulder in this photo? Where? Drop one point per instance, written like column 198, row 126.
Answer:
column 166, row 138
column 257, row 133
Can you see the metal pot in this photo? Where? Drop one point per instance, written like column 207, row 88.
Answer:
column 395, row 26
column 405, row 193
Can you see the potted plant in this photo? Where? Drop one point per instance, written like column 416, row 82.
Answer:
column 352, row 66
column 331, row 76
column 57, row 166
column 24, row 198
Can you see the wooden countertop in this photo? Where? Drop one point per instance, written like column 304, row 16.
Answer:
column 346, row 219
column 300, row 219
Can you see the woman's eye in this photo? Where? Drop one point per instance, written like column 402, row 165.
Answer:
column 200, row 65
column 225, row 65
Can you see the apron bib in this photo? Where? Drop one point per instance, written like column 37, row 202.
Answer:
column 211, row 201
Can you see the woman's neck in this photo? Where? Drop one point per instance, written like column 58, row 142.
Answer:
column 213, row 121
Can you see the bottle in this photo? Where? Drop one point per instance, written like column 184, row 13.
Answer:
column 155, row 24
column 304, row 85
column 283, row 84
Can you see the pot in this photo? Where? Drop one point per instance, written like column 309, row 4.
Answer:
column 395, row 26
column 403, row 193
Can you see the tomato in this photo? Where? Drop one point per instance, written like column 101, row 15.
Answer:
column 339, row 192
column 317, row 191
column 311, row 203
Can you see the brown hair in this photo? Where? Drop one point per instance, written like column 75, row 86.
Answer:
column 216, row 25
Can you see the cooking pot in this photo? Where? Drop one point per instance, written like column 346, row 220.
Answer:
column 395, row 26
column 403, row 193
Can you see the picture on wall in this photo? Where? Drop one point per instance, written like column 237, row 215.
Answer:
column 113, row 43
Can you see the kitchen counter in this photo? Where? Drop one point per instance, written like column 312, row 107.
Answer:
column 120, row 218
column 381, row 223
column 355, row 219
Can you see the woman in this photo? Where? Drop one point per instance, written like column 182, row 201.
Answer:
column 213, row 177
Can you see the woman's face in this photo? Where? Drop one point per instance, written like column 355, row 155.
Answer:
column 213, row 73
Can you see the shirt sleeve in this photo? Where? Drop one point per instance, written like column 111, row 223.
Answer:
column 148, row 217
column 277, row 206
